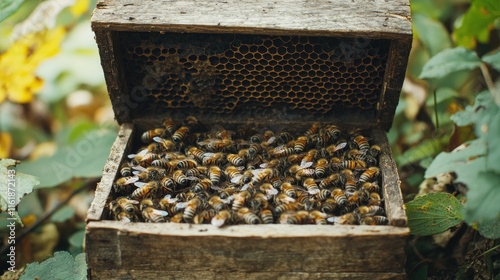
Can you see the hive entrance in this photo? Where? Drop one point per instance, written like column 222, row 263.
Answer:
column 247, row 75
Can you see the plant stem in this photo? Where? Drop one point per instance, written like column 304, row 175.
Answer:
column 489, row 83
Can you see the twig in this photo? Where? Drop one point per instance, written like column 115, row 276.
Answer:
column 47, row 215
column 489, row 83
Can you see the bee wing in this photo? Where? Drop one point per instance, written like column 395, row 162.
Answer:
column 271, row 140
column 170, row 199
column 305, row 164
column 228, row 199
column 218, row 221
column 181, row 205
column 313, row 192
column 334, row 219
column 139, row 168
column 272, row 191
column 236, row 179
column 125, row 220
column 245, row 187
column 139, row 184
column 132, row 180
column 160, row 212
column 192, row 178
column 157, row 139
column 340, row 146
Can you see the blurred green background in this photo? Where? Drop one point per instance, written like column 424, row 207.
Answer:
column 55, row 113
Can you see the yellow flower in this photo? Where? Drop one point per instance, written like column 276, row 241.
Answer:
column 5, row 144
column 18, row 64
column 80, row 7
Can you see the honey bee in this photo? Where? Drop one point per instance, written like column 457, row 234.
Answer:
column 372, row 210
column 191, row 208
column 240, row 200
column 213, row 159
column 350, row 187
column 375, row 151
column 362, row 143
column 225, row 193
column 375, row 199
column 296, row 218
column 124, row 183
column 177, row 218
column 248, row 216
column 314, row 129
column 169, row 126
column 187, row 163
column 304, row 173
column 295, row 158
column 196, row 153
column 153, row 215
column 300, row 144
column 260, row 175
column 125, row 170
column 268, row 189
column 331, row 181
column 332, row 131
column 235, row 159
column 179, row 178
column 310, row 156
column 346, row 219
column 370, row 187
column 214, row 173
column 288, row 189
column 218, row 203
column 266, row 216
column 357, row 198
column 162, row 163
column 320, row 167
column 204, row 216
column 324, row 194
column 147, row 137
column 224, row 217
column 254, row 149
column 244, row 154
column 180, row 134
column 374, row 220
column 288, row 207
column 339, row 196
column 282, row 151
column 283, row 198
column 126, row 204
column 371, row 174
column 351, row 164
column 199, row 171
column 166, row 145
column 329, row 206
column 150, row 173
column 125, row 217
column 259, row 201
column 203, row 185
column 332, row 149
column 318, row 217
column 149, row 189
column 218, row 145
column 167, row 202
column 311, row 186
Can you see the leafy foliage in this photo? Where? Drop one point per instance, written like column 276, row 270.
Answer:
column 8, row 7
column 450, row 61
column 62, row 266
column 476, row 23
column 433, row 213
column 23, row 184
column 83, row 158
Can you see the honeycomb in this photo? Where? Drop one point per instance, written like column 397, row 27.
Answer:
column 238, row 74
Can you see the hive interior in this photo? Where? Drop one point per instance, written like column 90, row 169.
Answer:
column 253, row 76
column 320, row 141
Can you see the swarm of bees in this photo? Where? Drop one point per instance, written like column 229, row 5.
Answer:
column 188, row 173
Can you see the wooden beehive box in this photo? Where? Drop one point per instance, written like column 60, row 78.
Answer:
column 236, row 62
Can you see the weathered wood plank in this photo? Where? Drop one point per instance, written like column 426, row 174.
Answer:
column 246, row 248
column 118, row 151
column 257, row 275
column 391, row 185
column 390, row 18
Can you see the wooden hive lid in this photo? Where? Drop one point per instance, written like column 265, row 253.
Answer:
column 347, row 63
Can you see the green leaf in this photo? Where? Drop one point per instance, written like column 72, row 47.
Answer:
column 76, row 239
column 63, row 214
column 62, row 266
column 473, row 113
column 450, row 61
column 432, row 33
column 466, row 159
column 476, row 23
column 84, row 158
column 427, row 148
column 493, row 59
column 433, row 213
column 483, row 197
column 13, row 184
column 490, row 228
column 8, row 7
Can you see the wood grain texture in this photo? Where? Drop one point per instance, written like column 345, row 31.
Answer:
column 391, row 185
column 120, row 148
column 388, row 18
column 275, row 249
